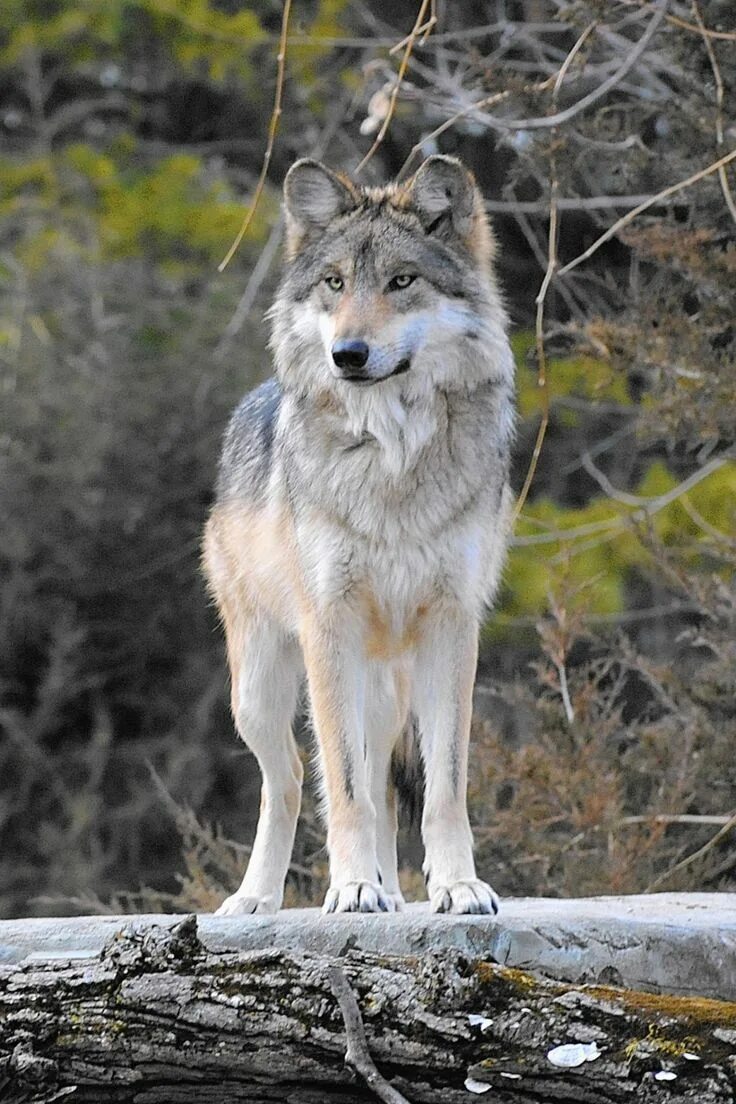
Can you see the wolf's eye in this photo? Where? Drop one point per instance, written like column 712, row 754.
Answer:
column 334, row 283
column 400, row 282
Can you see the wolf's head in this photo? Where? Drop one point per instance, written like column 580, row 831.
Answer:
column 387, row 284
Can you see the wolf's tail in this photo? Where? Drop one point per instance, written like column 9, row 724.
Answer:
column 407, row 772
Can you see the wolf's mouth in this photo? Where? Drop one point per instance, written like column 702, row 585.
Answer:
column 368, row 381
column 403, row 366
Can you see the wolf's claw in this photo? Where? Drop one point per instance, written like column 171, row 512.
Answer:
column 359, row 897
column 469, row 896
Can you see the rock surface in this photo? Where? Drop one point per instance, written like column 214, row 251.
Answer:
column 680, row 943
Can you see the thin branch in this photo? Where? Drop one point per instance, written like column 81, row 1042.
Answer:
column 273, row 127
column 647, row 509
column 487, row 101
column 631, row 215
column 716, row 534
column 564, row 203
column 674, row 818
column 728, row 36
column 417, row 29
column 357, row 1055
column 696, row 855
column 256, row 278
column 570, row 112
column 607, row 486
column 565, row 693
column 676, row 21
column 725, row 186
column 552, row 238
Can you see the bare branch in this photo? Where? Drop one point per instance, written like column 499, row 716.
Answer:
column 631, row 215
column 725, row 186
column 694, row 857
column 598, row 93
column 273, row 127
column 418, row 28
column 564, row 203
column 358, row 1056
column 552, row 238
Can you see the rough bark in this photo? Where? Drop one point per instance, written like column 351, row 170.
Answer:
column 158, row 1019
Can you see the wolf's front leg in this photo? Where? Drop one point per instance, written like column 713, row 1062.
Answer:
column 443, row 696
column 336, row 681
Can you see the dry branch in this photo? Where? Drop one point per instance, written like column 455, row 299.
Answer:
column 273, row 127
column 357, row 1055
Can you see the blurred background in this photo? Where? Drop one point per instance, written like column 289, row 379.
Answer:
column 132, row 136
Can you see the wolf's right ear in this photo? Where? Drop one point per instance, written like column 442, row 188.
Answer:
column 313, row 196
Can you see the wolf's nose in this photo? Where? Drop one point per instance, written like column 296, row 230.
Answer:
column 350, row 354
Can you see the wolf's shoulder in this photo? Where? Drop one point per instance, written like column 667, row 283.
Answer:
column 245, row 463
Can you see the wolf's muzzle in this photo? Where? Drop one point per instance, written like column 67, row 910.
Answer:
column 351, row 357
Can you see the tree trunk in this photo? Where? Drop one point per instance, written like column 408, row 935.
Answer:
column 159, row 1019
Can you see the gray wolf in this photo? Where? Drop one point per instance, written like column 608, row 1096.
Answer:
column 361, row 516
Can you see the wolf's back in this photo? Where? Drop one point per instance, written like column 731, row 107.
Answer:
column 247, row 452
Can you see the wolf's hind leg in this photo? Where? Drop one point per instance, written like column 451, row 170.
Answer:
column 443, row 693
column 385, row 714
column 266, row 668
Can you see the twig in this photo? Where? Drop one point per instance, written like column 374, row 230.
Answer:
column 273, row 126
column 564, row 203
column 690, row 859
column 488, row 101
column 542, row 378
column 727, row 36
column 606, row 485
column 631, row 215
column 675, row 818
column 565, row 693
column 647, row 509
column 417, row 29
column 574, row 109
column 716, row 534
column 725, row 186
column 256, row 278
column 357, row 1055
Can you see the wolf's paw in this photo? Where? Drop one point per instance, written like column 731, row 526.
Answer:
column 359, row 897
column 240, row 905
column 468, row 896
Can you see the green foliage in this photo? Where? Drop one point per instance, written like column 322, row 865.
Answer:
column 581, row 377
column 172, row 212
column 598, row 547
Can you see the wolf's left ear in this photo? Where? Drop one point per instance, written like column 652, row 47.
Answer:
column 443, row 194
column 313, row 196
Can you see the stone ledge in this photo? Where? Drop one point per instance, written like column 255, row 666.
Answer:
column 680, row 943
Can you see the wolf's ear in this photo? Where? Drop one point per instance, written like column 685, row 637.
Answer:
column 313, row 197
column 443, row 194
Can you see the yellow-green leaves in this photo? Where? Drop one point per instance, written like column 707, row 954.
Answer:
column 592, row 550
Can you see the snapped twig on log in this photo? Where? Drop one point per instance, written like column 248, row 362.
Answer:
column 357, row 1055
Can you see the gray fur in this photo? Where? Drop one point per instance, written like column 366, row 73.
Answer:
column 389, row 504
column 247, row 449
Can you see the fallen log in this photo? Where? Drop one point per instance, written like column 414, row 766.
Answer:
column 158, row 1018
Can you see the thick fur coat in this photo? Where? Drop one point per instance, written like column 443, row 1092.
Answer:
column 360, row 525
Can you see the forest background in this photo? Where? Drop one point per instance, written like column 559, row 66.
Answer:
column 133, row 135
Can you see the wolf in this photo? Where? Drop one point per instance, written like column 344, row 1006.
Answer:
column 359, row 527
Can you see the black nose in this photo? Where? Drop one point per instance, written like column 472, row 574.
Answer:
column 347, row 353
